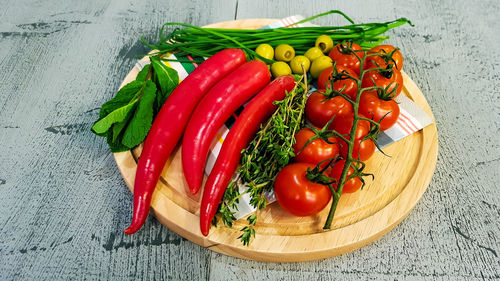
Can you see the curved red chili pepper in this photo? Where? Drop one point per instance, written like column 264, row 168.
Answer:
column 244, row 129
column 211, row 113
column 168, row 126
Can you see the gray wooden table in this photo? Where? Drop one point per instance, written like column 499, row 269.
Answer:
column 63, row 204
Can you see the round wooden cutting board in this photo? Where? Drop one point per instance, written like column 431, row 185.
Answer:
column 361, row 217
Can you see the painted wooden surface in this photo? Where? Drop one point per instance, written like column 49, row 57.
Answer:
column 63, row 204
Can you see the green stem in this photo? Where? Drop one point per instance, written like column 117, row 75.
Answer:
column 331, row 213
column 350, row 146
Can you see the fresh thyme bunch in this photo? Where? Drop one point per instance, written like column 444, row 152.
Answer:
column 267, row 154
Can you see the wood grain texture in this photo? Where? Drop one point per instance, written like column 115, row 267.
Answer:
column 63, row 204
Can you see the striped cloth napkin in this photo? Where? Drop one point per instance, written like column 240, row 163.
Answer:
column 411, row 119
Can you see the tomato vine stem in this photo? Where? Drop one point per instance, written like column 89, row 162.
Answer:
column 349, row 160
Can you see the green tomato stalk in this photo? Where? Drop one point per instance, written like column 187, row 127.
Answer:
column 316, row 174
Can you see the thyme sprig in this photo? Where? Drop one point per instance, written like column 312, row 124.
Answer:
column 267, row 154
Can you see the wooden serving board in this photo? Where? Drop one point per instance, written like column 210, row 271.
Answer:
column 361, row 217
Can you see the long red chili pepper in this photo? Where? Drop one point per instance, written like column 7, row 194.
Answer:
column 244, row 129
column 170, row 123
column 211, row 113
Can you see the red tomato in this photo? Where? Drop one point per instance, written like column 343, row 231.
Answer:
column 316, row 151
column 362, row 150
column 375, row 108
column 320, row 110
column 351, row 185
column 296, row 194
column 397, row 57
column 388, row 81
column 350, row 86
column 343, row 125
column 344, row 57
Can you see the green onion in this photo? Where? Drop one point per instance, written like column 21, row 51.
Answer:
column 204, row 42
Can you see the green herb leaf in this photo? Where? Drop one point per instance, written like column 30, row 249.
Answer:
column 269, row 151
column 126, row 119
column 122, row 98
column 140, row 124
column 118, row 115
column 252, row 220
column 143, row 74
column 247, row 235
column 165, row 78
column 118, row 127
column 115, row 146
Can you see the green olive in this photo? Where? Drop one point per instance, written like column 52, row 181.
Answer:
column 284, row 52
column 313, row 53
column 297, row 62
column 280, row 68
column 319, row 65
column 265, row 50
column 325, row 43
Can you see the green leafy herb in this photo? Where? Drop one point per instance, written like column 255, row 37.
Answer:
column 125, row 120
column 248, row 231
column 116, row 116
column 267, row 154
column 166, row 78
column 229, row 204
column 143, row 74
column 124, row 96
column 272, row 149
column 140, row 124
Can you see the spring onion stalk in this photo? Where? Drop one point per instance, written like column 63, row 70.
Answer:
column 204, row 42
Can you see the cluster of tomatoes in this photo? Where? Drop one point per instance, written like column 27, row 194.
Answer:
column 331, row 108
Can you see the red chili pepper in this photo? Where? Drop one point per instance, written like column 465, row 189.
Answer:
column 244, row 129
column 211, row 113
column 168, row 126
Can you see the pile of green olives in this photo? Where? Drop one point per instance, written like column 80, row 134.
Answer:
column 313, row 61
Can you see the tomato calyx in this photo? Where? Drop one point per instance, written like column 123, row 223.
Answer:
column 345, row 48
column 385, row 68
column 387, row 72
column 324, row 133
column 388, row 57
column 358, row 167
column 317, row 174
column 382, row 75
column 374, row 132
column 387, row 93
column 330, row 93
column 335, row 76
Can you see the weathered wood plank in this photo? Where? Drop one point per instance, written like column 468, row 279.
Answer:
column 64, row 205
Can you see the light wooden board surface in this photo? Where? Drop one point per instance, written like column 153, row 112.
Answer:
column 361, row 217
column 63, row 203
